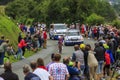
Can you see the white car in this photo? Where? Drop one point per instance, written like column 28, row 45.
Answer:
column 73, row 37
column 57, row 30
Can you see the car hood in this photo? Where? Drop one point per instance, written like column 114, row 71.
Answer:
column 73, row 37
column 61, row 30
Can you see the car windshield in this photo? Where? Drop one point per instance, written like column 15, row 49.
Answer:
column 73, row 34
column 60, row 27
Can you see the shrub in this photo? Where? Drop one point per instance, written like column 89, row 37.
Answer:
column 94, row 19
column 116, row 23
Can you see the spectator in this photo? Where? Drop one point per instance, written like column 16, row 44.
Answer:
column 1, row 78
column 110, row 44
column 3, row 48
column 92, row 62
column 19, row 37
column 99, row 54
column 106, row 69
column 40, row 63
column 109, row 52
column 118, row 53
column 86, row 53
column 8, row 74
column 43, row 74
column 95, row 32
column 29, row 75
column 23, row 45
column 52, row 58
column 19, row 52
column 78, row 56
column 2, row 39
column 58, row 70
column 10, row 50
column 73, row 70
column 32, row 30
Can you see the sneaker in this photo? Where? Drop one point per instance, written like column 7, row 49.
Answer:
column 1, row 66
column 23, row 57
column 15, row 56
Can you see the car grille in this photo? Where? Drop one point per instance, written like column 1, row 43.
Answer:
column 61, row 33
column 74, row 39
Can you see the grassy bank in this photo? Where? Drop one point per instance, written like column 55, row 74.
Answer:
column 9, row 30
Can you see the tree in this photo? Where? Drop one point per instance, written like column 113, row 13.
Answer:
column 106, row 10
column 61, row 11
column 94, row 19
column 116, row 23
column 20, row 10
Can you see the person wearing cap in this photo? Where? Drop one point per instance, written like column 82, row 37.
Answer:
column 82, row 46
column 8, row 74
column 3, row 48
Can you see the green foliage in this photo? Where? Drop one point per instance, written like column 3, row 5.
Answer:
column 4, row 2
column 12, row 59
column 94, row 19
column 117, row 8
column 9, row 30
column 20, row 10
column 104, row 9
column 66, row 11
column 2, row 10
column 116, row 23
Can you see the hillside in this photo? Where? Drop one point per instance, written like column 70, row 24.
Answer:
column 8, row 29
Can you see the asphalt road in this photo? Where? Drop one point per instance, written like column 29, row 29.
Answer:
column 45, row 54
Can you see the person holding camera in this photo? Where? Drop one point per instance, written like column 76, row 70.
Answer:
column 78, row 56
column 73, row 68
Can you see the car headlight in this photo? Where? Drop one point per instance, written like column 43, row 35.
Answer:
column 82, row 38
column 55, row 31
column 66, row 39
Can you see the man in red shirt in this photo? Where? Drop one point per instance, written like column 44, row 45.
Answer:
column 44, row 39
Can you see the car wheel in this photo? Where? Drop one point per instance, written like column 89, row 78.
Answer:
column 50, row 38
column 65, row 44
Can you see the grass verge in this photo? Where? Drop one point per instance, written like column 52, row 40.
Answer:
column 28, row 53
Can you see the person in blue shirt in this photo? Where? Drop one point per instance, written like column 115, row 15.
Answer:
column 74, row 70
column 29, row 75
column 2, row 39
